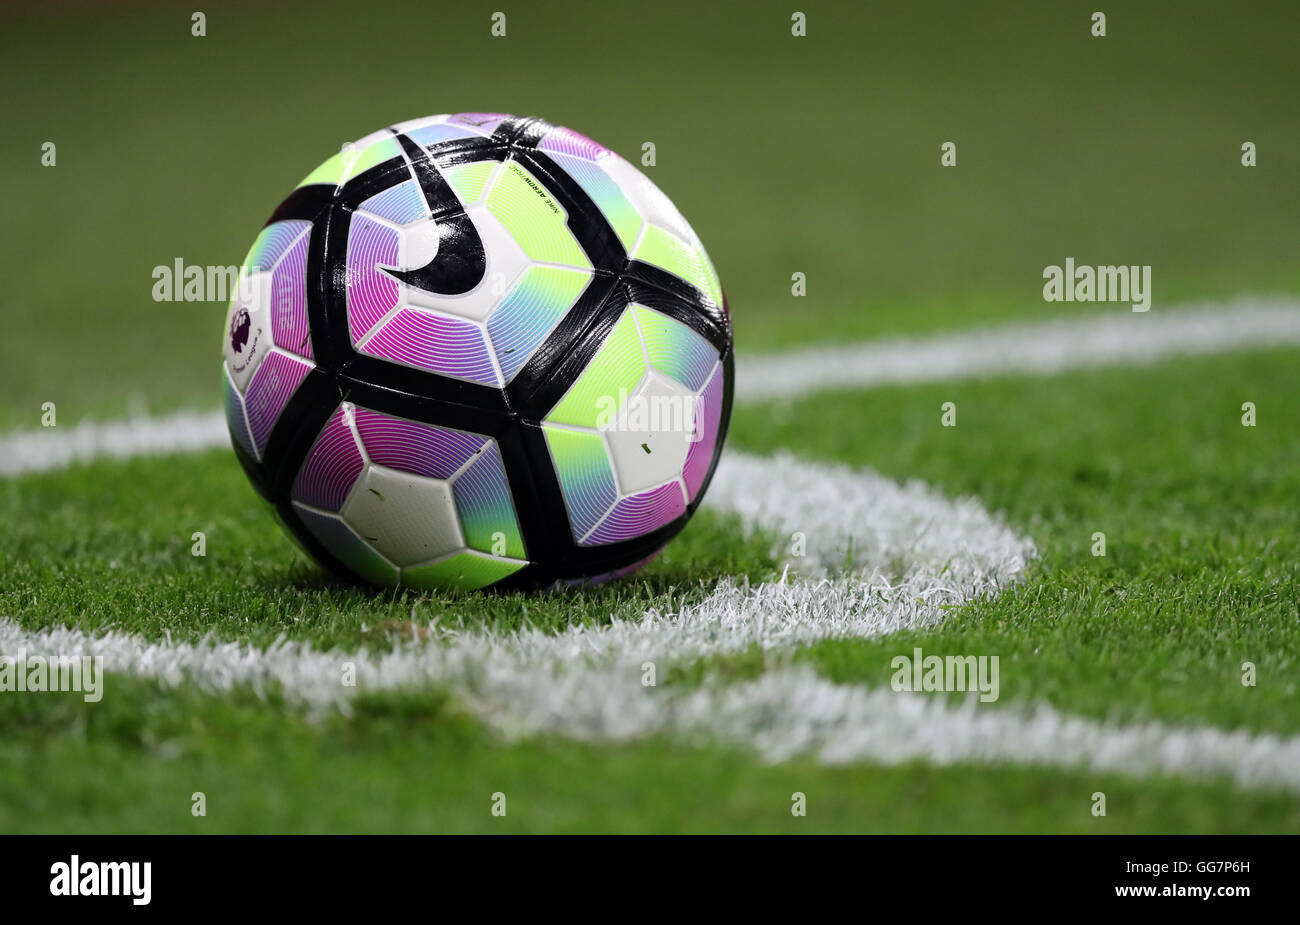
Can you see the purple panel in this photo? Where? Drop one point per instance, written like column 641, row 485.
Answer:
column 289, row 301
column 371, row 292
column 420, row 449
column 331, row 468
column 567, row 141
column 440, row 133
column 450, row 346
column 636, row 515
column 400, row 204
column 269, row 391
column 708, row 417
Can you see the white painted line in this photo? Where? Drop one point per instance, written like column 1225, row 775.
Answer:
column 586, row 682
column 914, row 553
column 59, row 447
column 1040, row 348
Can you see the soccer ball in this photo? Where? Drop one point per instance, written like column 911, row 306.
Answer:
column 478, row 350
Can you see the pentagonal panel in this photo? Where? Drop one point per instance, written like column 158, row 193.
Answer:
column 409, row 519
column 651, row 434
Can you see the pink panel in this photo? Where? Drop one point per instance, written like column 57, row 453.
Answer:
column 636, row 515
column 421, row 449
column 331, row 468
column 269, row 391
column 708, row 417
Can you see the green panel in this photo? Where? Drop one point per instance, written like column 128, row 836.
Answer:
column 465, row 571
column 691, row 263
column 349, row 163
column 535, row 220
column 468, row 180
column 611, row 375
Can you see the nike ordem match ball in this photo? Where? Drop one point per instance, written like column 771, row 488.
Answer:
column 478, row 351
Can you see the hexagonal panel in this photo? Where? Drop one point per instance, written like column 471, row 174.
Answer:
column 408, row 518
column 399, row 501
column 631, row 441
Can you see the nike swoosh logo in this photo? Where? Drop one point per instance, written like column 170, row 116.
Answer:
column 459, row 265
column 461, row 262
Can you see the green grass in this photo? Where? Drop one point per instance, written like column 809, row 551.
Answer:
column 1200, row 574
column 110, row 546
column 817, row 155
column 416, row 765
column 1202, row 565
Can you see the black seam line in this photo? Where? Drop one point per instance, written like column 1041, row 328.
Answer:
column 296, row 430
column 305, row 203
column 568, row 350
column 660, row 290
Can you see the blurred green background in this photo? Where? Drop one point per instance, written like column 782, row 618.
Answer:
column 816, row 154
